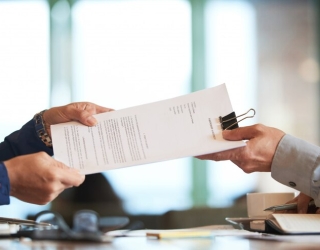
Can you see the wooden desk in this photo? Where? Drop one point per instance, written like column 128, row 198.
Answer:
column 141, row 243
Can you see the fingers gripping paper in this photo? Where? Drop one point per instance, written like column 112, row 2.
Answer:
column 179, row 127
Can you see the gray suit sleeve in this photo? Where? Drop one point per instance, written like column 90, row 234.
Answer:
column 296, row 164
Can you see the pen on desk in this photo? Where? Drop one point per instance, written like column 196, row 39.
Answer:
column 181, row 234
column 288, row 206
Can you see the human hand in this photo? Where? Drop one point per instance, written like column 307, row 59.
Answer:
column 257, row 155
column 303, row 207
column 38, row 178
column 77, row 111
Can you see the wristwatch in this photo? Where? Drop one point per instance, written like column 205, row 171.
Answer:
column 41, row 130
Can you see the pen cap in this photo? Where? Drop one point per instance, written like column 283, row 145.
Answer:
column 258, row 202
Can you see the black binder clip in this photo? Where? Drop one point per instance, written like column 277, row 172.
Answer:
column 230, row 121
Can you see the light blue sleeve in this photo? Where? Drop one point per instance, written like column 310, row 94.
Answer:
column 296, row 164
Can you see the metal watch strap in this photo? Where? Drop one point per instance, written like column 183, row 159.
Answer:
column 41, row 130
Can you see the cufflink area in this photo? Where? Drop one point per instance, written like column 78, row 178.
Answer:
column 292, row 184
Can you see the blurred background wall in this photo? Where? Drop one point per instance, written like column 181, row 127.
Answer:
column 124, row 53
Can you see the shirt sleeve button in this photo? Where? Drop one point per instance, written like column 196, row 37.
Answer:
column 292, row 184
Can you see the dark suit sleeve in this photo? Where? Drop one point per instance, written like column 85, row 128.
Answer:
column 4, row 185
column 21, row 142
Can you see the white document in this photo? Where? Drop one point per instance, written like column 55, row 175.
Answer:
column 298, row 223
column 179, row 127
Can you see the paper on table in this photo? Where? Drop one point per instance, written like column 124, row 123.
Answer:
column 204, row 231
column 179, row 127
column 296, row 223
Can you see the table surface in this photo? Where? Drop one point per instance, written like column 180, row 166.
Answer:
column 141, row 243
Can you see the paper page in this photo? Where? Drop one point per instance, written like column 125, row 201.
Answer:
column 286, row 238
column 299, row 223
column 174, row 128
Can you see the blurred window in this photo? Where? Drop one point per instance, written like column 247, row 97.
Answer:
column 128, row 53
column 24, row 73
column 231, row 59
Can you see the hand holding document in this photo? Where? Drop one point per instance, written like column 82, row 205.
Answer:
column 179, row 127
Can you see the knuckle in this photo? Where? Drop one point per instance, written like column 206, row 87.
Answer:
column 69, row 107
column 48, row 190
column 215, row 157
column 49, row 193
column 52, row 176
column 42, row 154
column 43, row 202
column 258, row 127
column 246, row 169
column 45, row 199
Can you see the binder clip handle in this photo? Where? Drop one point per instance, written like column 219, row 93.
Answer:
column 230, row 121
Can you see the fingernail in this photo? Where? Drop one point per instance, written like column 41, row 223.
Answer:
column 91, row 120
